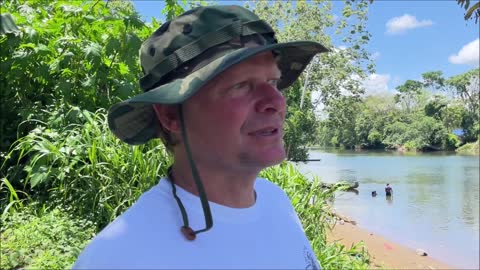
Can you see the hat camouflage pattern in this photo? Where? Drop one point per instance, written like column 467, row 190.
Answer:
column 185, row 53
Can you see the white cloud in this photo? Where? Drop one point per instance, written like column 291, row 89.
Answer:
column 468, row 54
column 405, row 22
column 375, row 55
column 376, row 84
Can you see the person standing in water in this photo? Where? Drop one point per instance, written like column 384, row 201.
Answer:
column 388, row 190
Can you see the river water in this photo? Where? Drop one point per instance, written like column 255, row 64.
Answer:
column 435, row 202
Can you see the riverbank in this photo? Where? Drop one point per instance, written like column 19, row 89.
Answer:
column 383, row 252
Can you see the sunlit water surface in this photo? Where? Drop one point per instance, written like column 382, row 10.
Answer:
column 435, row 204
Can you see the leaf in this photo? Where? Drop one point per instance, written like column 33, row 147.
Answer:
column 471, row 10
column 42, row 49
column 38, row 176
column 71, row 10
column 125, row 91
column 112, row 46
column 28, row 46
column 93, row 50
column 88, row 82
column 123, row 68
column 7, row 24
column 133, row 21
column 66, row 59
column 133, row 42
column 90, row 18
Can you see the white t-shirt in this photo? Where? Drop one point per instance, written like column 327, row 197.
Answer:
column 147, row 236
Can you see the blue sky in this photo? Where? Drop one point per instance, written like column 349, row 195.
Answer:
column 408, row 38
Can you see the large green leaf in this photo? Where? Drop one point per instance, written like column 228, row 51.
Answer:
column 7, row 24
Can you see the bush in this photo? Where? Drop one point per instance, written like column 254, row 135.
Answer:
column 84, row 167
column 470, row 148
column 451, row 142
column 49, row 240
column 83, row 53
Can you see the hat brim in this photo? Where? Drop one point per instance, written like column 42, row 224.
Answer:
column 134, row 122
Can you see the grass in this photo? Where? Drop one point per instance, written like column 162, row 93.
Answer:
column 469, row 148
column 42, row 240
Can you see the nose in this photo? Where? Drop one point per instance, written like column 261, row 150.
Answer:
column 271, row 100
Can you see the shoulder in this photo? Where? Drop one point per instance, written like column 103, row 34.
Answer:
column 270, row 189
column 133, row 233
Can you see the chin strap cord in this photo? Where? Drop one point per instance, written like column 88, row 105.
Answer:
column 186, row 230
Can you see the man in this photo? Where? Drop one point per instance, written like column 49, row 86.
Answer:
column 388, row 190
column 212, row 80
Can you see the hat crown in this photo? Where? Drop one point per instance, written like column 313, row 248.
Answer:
column 182, row 39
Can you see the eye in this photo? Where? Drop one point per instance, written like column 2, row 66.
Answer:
column 238, row 89
column 240, row 85
column 273, row 82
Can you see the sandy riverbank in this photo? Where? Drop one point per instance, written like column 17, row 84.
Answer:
column 383, row 252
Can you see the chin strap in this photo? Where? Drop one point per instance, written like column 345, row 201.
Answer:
column 186, row 230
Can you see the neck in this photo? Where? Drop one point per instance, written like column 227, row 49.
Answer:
column 232, row 189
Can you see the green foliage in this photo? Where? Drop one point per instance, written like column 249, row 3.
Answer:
column 300, row 124
column 313, row 205
column 84, row 167
column 470, row 148
column 79, row 53
column 45, row 240
column 420, row 132
column 173, row 8
column 435, row 106
column 421, row 116
column 451, row 142
column 470, row 11
column 342, row 114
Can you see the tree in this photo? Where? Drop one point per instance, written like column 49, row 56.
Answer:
column 339, row 128
column 66, row 53
column 374, row 114
column 434, row 80
column 409, row 94
column 467, row 87
column 470, row 11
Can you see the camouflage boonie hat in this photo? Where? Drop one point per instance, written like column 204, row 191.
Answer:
column 185, row 53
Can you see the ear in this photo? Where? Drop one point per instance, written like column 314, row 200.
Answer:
column 168, row 116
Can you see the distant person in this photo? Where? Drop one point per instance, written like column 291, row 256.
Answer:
column 388, row 190
column 374, row 193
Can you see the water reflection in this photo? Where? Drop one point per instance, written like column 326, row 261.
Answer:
column 389, row 199
column 470, row 198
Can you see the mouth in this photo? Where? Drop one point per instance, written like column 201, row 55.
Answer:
column 265, row 132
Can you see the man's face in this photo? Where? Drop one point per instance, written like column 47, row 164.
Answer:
column 235, row 121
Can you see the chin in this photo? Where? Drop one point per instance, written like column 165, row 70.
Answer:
column 263, row 159
column 274, row 158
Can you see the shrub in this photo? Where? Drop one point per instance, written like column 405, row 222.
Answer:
column 470, row 148
column 48, row 240
column 451, row 142
column 83, row 167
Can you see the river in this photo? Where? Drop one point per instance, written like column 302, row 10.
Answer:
column 435, row 202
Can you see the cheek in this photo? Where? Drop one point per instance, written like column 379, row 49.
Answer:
column 230, row 117
column 219, row 118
